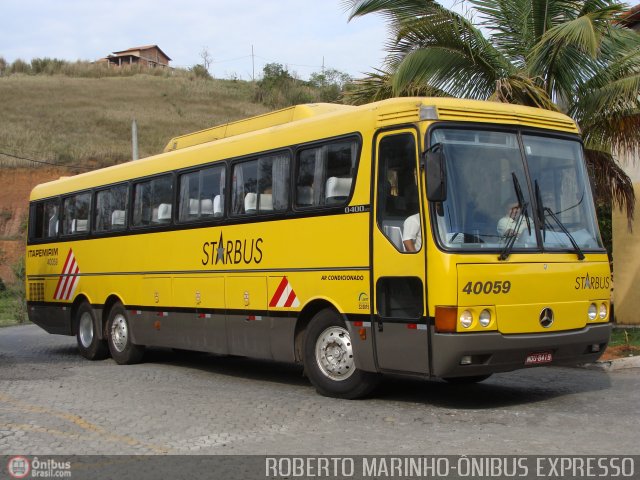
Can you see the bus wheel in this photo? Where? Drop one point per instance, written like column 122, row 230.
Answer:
column 329, row 361
column 89, row 345
column 123, row 351
column 466, row 380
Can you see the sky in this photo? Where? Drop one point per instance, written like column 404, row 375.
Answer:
column 302, row 35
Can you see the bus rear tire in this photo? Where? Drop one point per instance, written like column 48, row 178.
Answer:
column 329, row 360
column 122, row 349
column 90, row 346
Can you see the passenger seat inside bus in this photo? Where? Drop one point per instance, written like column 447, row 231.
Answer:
column 217, row 206
column 193, row 206
column 250, row 201
column 162, row 214
column 206, row 206
column 337, row 190
column 79, row 225
column 394, row 234
column 117, row 217
column 266, row 202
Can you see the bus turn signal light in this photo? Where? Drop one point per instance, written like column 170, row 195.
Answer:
column 446, row 319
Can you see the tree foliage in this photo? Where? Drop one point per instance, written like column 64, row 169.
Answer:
column 571, row 56
column 280, row 88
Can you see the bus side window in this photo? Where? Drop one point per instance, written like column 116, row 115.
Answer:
column 44, row 219
column 152, row 201
column 261, row 185
column 201, row 194
column 398, row 205
column 75, row 212
column 324, row 174
column 111, row 209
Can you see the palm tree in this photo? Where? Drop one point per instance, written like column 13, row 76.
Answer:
column 572, row 56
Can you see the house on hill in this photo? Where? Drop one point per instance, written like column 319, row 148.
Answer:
column 148, row 56
column 632, row 19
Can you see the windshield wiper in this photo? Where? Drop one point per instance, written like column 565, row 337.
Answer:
column 511, row 241
column 541, row 217
column 566, row 232
column 543, row 221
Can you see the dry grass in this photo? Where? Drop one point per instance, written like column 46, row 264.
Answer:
column 87, row 121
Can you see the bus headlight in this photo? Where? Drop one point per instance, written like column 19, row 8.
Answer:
column 485, row 318
column 603, row 311
column 466, row 319
column 592, row 312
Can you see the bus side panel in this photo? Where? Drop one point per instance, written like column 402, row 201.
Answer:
column 282, row 331
column 247, row 329
column 52, row 318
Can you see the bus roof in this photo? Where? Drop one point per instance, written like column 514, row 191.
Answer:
column 271, row 119
column 308, row 118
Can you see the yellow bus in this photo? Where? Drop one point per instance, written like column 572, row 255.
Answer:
column 432, row 237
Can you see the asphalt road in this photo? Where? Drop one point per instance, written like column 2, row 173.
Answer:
column 52, row 401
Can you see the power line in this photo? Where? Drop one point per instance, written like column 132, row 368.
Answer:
column 43, row 162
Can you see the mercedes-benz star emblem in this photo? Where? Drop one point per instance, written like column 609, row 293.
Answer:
column 546, row 317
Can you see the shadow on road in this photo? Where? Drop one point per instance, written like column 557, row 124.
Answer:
column 502, row 390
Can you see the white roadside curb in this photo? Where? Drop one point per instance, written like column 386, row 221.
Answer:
column 613, row 365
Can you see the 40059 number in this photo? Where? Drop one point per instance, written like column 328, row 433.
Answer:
column 496, row 287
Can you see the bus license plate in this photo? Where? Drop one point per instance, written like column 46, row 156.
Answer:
column 538, row 358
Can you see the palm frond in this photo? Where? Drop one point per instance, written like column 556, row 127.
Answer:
column 429, row 49
column 390, row 9
column 510, row 26
column 611, row 182
column 522, row 90
column 569, row 55
column 378, row 85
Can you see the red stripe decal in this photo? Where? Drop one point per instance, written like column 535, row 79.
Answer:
column 70, row 281
column 279, row 290
column 290, row 299
column 64, row 270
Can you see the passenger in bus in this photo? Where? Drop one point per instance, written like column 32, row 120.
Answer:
column 508, row 224
column 411, row 234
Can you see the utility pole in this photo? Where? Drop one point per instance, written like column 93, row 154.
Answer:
column 253, row 65
column 134, row 139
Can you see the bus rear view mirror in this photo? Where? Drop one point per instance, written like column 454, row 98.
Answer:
column 436, row 177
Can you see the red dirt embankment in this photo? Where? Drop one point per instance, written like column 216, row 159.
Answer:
column 14, row 205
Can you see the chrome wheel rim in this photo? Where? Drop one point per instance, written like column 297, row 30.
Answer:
column 119, row 332
column 85, row 329
column 334, row 353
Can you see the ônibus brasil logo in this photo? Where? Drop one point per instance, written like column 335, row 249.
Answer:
column 19, row 467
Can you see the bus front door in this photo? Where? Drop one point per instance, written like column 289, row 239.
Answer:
column 399, row 326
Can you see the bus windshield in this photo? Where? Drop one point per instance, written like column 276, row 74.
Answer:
column 514, row 191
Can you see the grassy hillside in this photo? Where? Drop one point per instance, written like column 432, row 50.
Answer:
column 87, row 121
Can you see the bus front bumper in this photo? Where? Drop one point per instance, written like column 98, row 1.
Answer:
column 471, row 354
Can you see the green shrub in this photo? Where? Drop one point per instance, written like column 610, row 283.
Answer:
column 18, row 290
column 201, row 72
column 19, row 66
column 279, row 88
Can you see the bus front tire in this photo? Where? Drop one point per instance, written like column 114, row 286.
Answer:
column 122, row 349
column 90, row 346
column 329, row 359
